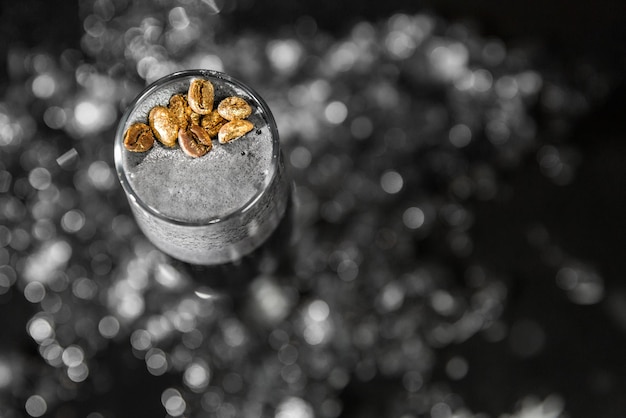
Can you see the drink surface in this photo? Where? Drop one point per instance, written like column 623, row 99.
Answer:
column 216, row 208
column 201, row 190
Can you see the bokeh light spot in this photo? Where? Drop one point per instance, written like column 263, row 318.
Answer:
column 361, row 127
column 6, row 374
column 318, row 310
column 391, row 181
column 36, row 406
column 78, row 373
column 44, row 86
column 141, row 340
column 196, row 376
column 347, row 270
column 55, row 117
column 40, row 178
column 156, row 361
column 294, row 407
column 460, row 135
column 86, row 113
column 84, row 288
column 34, row 292
column 412, row 380
column 73, row 356
column 73, row 221
column 109, row 326
column 101, row 175
column 173, row 402
column 300, row 157
column 284, row 55
column 456, row 368
column 178, row 18
column 40, row 329
column 336, row 112
column 413, row 217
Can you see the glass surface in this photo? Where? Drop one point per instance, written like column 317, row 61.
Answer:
column 213, row 209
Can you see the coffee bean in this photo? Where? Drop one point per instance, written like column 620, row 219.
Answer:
column 180, row 110
column 200, row 96
column 189, row 119
column 194, row 142
column 233, row 130
column 232, row 108
column 138, row 137
column 212, row 123
column 163, row 125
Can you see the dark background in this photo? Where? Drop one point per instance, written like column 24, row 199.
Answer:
column 568, row 28
column 587, row 215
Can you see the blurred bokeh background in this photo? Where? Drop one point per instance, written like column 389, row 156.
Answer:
column 458, row 242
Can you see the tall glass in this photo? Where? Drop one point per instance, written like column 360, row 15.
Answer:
column 209, row 210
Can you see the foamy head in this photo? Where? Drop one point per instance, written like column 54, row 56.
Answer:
column 213, row 209
column 203, row 190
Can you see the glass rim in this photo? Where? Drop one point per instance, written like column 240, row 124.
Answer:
column 154, row 86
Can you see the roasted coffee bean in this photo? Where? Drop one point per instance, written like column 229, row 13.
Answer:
column 190, row 120
column 138, row 137
column 194, row 118
column 212, row 123
column 200, row 96
column 233, row 130
column 194, row 142
column 232, row 108
column 180, row 110
column 201, row 135
column 163, row 125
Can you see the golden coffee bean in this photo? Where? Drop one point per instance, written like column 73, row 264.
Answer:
column 138, row 137
column 189, row 119
column 194, row 118
column 194, row 141
column 180, row 110
column 163, row 125
column 232, row 108
column 233, row 130
column 201, row 135
column 212, row 123
column 200, row 96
